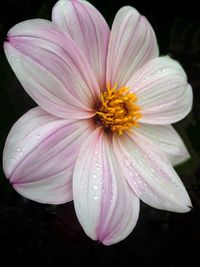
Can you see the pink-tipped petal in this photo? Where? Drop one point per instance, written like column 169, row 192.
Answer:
column 132, row 44
column 40, row 154
column 168, row 140
column 164, row 94
column 105, row 205
column 88, row 29
column 52, row 69
column 150, row 174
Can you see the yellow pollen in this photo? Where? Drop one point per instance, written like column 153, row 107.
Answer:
column 118, row 110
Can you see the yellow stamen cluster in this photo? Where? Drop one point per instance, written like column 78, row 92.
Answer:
column 118, row 111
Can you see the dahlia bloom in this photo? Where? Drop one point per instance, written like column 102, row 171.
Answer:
column 101, row 134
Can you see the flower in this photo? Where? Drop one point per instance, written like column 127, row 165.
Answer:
column 101, row 133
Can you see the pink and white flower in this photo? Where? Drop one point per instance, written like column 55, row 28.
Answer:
column 101, row 133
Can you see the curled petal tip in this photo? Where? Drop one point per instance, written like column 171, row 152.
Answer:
column 187, row 209
column 190, row 206
column 7, row 39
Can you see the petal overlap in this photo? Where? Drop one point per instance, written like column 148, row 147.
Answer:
column 168, row 140
column 150, row 174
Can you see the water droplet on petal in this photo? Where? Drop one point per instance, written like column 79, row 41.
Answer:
column 130, row 174
column 17, row 60
column 127, row 163
column 95, row 187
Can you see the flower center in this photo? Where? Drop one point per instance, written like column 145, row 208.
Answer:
column 118, row 111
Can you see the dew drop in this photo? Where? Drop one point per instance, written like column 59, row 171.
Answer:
column 178, row 187
column 12, row 159
column 135, row 183
column 127, row 163
column 17, row 60
column 130, row 174
column 94, row 176
column 96, row 197
column 18, row 149
column 95, row 187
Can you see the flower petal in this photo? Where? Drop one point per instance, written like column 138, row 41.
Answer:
column 106, row 207
column 88, row 29
column 168, row 140
column 40, row 154
column 150, row 174
column 163, row 93
column 132, row 44
column 52, row 69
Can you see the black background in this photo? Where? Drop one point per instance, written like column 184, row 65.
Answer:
column 33, row 234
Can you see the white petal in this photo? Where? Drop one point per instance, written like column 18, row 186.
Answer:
column 106, row 207
column 88, row 29
column 52, row 69
column 40, row 154
column 163, row 93
column 132, row 44
column 150, row 174
column 168, row 140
